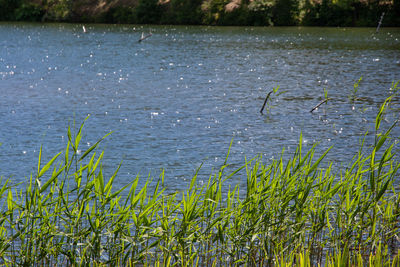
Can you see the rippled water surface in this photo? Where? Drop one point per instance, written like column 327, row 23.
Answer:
column 177, row 99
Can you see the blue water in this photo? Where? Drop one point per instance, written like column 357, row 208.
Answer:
column 176, row 100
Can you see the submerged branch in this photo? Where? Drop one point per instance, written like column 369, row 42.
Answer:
column 265, row 102
column 319, row 104
column 144, row 37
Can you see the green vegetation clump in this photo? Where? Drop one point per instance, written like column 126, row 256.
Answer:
column 209, row 12
column 298, row 211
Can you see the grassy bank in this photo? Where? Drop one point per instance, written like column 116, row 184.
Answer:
column 299, row 211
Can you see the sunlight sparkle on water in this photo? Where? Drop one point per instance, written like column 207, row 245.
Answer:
column 195, row 101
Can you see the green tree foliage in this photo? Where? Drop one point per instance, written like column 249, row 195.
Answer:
column 285, row 12
column 213, row 10
column 148, row 11
column 237, row 17
column 29, row 12
column 257, row 13
column 350, row 13
column 392, row 16
column 210, row 12
column 7, row 9
column 57, row 10
column 261, row 12
column 118, row 15
column 185, row 12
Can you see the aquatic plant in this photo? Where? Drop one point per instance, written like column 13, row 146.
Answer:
column 299, row 211
column 353, row 95
column 267, row 104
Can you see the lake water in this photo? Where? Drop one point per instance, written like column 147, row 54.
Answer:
column 177, row 99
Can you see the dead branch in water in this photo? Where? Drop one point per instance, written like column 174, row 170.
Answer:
column 144, row 37
column 319, row 104
column 265, row 102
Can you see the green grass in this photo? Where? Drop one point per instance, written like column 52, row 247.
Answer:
column 299, row 211
column 353, row 95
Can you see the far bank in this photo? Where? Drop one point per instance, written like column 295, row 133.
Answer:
column 358, row 13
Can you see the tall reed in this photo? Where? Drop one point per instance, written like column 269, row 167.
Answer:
column 299, row 211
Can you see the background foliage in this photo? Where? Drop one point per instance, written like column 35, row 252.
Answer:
column 209, row 12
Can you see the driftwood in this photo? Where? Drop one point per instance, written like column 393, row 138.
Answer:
column 319, row 104
column 265, row 102
column 380, row 22
column 144, row 37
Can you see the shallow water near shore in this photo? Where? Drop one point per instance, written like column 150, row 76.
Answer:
column 177, row 99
